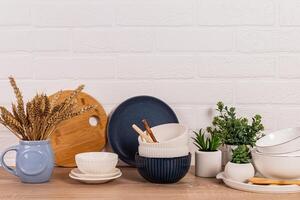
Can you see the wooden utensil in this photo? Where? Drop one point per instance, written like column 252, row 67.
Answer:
column 266, row 181
column 148, row 130
column 142, row 134
column 78, row 135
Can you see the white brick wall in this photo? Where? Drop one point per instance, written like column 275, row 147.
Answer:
column 190, row 53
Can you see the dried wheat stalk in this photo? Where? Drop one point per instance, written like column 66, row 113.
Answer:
column 39, row 118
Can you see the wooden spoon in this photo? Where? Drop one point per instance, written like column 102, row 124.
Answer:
column 266, row 181
column 142, row 134
column 148, row 130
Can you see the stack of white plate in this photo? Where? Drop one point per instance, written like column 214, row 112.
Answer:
column 96, row 167
column 76, row 174
column 277, row 155
column 172, row 142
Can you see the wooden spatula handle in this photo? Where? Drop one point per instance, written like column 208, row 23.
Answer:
column 266, row 181
column 149, row 131
column 142, row 134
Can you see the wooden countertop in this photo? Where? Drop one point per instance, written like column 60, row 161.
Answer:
column 129, row 187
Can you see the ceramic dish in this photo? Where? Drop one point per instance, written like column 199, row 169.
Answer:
column 282, row 141
column 96, row 162
column 277, row 166
column 163, row 170
column 95, row 180
column 168, row 135
column 151, row 152
column 78, row 173
column 258, row 188
column 121, row 136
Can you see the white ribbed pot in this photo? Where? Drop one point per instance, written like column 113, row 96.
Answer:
column 239, row 172
column 208, row 163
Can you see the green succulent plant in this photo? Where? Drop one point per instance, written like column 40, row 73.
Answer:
column 203, row 143
column 235, row 130
column 241, row 155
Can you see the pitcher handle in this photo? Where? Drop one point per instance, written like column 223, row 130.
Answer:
column 7, row 168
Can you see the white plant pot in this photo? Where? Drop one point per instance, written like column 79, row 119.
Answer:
column 239, row 172
column 208, row 163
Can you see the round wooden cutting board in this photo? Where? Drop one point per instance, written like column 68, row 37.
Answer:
column 84, row 133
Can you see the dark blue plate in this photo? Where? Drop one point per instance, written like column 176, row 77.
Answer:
column 121, row 136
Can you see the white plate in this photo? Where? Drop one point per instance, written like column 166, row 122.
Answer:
column 95, row 180
column 76, row 172
column 258, row 188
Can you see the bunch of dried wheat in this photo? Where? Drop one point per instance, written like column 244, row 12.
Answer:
column 40, row 117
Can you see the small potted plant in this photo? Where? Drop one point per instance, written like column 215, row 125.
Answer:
column 208, row 158
column 234, row 130
column 240, row 168
column 32, row 123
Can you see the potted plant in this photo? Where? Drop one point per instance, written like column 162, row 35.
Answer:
column 208, row 159
column 240, row 168
column 235, row 130
column 33, row 123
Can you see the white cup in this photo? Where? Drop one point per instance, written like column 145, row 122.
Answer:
column 96, row 162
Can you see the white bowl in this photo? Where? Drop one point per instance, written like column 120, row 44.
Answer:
column 168, row 135
column 277, row 166
column 96, row 162
column 282, row 141
column 153, row 152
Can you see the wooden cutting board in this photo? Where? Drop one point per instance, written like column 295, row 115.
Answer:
column 78, row 135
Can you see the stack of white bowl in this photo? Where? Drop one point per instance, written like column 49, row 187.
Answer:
column 277, row 155
column 172, row 142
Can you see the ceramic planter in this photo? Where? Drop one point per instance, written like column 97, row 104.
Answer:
column 239, row 172
column 208, row 164
column 34, row 161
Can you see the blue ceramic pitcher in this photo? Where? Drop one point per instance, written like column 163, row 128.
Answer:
column 34, row 161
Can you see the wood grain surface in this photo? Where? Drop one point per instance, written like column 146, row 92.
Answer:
column 77, row 135
column 129, row 187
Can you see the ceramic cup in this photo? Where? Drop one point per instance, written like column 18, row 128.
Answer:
column 34, row 161
column 96, row 162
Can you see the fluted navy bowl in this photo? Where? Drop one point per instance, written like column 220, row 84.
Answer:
column 163, row 170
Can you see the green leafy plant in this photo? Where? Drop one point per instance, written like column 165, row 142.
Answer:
column 211, row 143
column 241, row 155
column 235, row 130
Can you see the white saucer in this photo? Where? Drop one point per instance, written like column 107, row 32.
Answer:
column 95, row 180
column 258, row 188
column 76, row 172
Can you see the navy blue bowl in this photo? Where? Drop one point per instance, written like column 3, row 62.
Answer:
column 163, row 170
